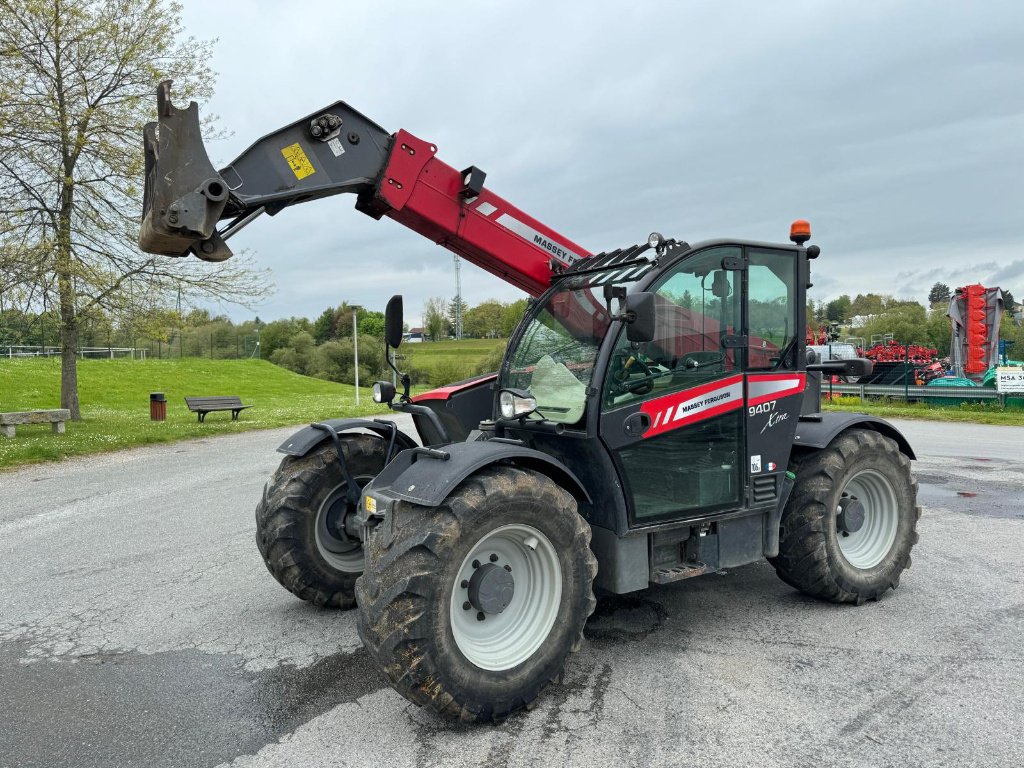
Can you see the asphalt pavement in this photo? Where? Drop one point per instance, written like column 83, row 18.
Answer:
column 139, row 627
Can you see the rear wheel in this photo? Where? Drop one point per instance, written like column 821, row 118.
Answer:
column 305, row 524
column 472, row 608
column 851, row 521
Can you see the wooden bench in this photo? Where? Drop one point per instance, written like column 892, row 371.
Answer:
column 56, row 419
column 205, row 405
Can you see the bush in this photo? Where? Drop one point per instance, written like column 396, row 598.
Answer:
column 335, row 361
column 287, row 357
column 448, row 371
column 492, row 362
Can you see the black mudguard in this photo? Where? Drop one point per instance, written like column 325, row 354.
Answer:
column 308, row 438
column 817, row 430
column 427, row 477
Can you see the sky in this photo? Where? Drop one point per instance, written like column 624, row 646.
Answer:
column 896, row 129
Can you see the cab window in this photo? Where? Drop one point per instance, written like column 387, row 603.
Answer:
column 697, row 304
column 771, row 309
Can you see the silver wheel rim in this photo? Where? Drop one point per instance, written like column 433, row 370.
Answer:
column 868, row 546
column 504, row 640
column 339, row 554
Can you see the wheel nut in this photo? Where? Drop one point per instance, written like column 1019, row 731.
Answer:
column 464, row 584
column 466, row 605
column 480, row 616
column 494, row 558
column 508, row 568
column 476, row 563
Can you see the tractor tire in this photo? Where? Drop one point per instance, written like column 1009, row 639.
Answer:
column 472, row 608
column 833, row 547
column 298, row 519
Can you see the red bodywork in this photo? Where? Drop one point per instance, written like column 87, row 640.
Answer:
column 423, row 193
column 443, row 393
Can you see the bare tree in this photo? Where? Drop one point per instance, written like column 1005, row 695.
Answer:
column 77, row 83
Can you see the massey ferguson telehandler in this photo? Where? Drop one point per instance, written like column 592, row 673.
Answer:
column 656, row 417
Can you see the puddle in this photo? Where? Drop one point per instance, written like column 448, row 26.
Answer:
column 992, row 497
column 624, row 617
column 178, row 708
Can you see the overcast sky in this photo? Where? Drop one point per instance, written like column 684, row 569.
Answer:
column 897, row 129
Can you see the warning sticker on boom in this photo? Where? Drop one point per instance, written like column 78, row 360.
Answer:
column 298, row 161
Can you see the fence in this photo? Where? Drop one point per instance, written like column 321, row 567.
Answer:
column 221, row 346
column 911, row 393
column 27, row 350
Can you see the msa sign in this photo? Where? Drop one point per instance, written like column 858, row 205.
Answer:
column 1009, row 379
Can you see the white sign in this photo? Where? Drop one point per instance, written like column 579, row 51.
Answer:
column 1009, row 379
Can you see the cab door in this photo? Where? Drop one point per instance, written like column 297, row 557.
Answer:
column 774, row 380
column 672, row 410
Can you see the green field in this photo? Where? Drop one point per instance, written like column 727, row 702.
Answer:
column 447, row 361
column 976, row 413
column 115, row 402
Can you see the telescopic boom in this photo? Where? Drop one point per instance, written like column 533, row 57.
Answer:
column 329, row 152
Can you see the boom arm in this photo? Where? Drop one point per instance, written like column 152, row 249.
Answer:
column 333, row 151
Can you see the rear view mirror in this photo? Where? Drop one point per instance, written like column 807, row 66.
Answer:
column 857, row 366
column 393, row 322
column 720, row 287
column 640, row 317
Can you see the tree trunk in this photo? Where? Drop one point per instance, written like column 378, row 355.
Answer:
column 68, row 313
column 69, row 366
column 68, row 341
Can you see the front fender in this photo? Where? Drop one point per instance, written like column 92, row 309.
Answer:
column 427, row 481
column 308, row 438
column 817, row 430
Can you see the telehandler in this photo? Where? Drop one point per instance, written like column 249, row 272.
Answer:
column 656, row 417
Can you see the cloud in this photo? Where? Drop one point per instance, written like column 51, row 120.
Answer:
column 894, row 129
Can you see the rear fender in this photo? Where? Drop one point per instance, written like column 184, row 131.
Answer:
column 817, row 430
column 428, row 478
column 308, row 438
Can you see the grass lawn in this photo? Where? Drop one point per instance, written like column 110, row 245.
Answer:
column 448, row 360
column 977, row 413
column 115, row 402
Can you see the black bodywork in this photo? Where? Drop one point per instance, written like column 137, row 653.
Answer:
column 733, row 466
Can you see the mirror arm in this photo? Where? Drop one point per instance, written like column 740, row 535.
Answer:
column 403, row 377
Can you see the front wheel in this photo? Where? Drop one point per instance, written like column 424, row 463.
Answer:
column 305, row 524
column 851, row 521
column 472, row 608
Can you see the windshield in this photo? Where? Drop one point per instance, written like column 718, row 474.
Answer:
column 554, row 359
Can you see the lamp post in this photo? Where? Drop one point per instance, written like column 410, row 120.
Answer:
column 355, row 344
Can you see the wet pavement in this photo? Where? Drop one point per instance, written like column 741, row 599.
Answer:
column 138, row 627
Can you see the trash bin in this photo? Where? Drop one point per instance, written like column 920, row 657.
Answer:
column 157, row 406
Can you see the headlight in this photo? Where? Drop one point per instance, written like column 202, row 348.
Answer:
column 383, row 392
column 516, row 403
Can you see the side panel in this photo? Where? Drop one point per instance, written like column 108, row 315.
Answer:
column 772, row 412
column 590, row 461
column 460, row 406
